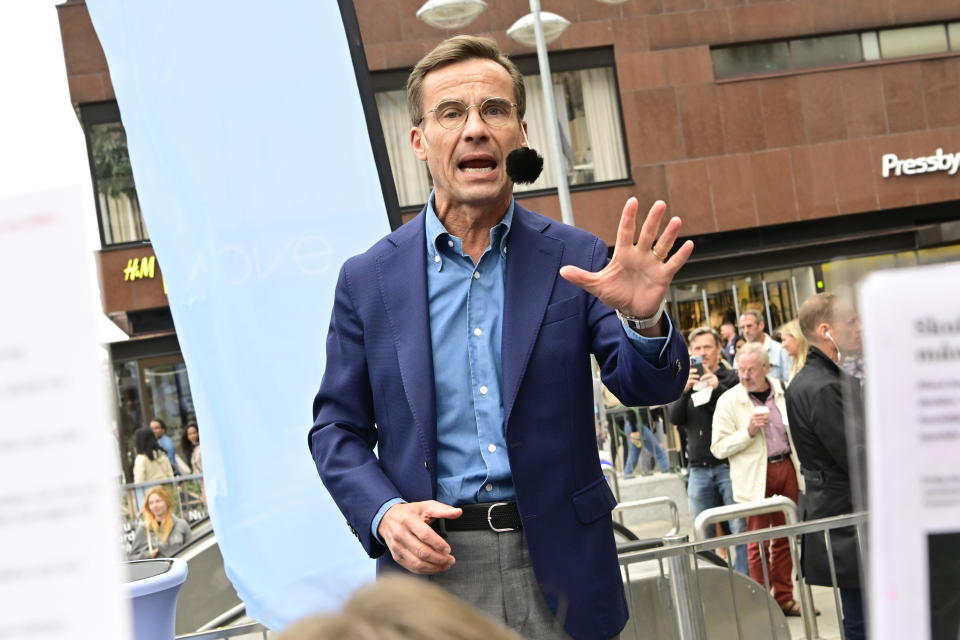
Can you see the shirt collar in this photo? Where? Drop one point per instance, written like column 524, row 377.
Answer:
column 435, row 231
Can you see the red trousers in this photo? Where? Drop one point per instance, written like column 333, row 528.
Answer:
column 781, row 480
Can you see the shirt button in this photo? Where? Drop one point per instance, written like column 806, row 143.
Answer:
column 492, row 448
column 489, row 487
column 483, row 390
column 476, row 275
column 436, row 258
column 478, row 331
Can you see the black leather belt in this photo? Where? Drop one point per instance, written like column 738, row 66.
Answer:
column 780, row 457
column 707, row 464
column 485, row 516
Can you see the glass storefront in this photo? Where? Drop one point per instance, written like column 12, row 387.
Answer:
column 776, row 294
column 779, row 294
column 148, row 388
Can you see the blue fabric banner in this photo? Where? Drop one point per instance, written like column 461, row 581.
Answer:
column 255, row 175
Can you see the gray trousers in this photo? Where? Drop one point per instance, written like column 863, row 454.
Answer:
column 493, row 572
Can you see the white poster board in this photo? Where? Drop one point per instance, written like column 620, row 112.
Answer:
column 912, row 347
column 60, row 571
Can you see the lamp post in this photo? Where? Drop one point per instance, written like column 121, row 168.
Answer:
column 520, row 32
column 528, row 30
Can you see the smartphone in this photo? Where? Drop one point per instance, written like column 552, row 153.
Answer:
column 696, row 363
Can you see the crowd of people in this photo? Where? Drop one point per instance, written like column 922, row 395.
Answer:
column 160, row 531
column 762, row 417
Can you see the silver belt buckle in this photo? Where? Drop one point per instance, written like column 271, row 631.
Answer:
column 490, row 517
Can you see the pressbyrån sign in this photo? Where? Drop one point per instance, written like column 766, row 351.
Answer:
column 940, row 161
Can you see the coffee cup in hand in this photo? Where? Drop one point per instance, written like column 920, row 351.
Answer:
column 762, row 411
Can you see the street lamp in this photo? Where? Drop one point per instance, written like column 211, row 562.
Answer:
column 450, row 14
column 524, row 30
column 546, row 27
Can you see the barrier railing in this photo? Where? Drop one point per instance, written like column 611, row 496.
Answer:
column 687, row 596
column 227, row 632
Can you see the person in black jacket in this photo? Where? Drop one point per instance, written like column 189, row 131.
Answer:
column 708, row 484
column 815, row 407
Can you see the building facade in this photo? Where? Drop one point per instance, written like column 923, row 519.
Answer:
column 804, row 143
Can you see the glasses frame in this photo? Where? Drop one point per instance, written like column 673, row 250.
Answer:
column 479, row 107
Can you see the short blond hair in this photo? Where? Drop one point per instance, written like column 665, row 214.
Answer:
column 816, row 310
column 397, row 607
column 460, row 49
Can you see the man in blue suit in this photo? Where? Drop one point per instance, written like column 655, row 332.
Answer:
column 459, row 346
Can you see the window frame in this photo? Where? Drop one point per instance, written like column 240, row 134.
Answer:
column 560, row 62
column 792, row 71
column 93, row 114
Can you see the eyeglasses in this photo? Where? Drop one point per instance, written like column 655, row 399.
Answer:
column 452, row 114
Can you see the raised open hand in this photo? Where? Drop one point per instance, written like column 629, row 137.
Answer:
column 637, row 277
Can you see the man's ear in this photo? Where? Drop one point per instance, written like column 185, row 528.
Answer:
column 523, row 126
column 822, row 330
column 419, row 143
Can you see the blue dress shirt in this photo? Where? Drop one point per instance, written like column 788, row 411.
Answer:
column 466, row 315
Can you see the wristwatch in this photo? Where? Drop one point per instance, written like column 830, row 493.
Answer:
column 639, row 324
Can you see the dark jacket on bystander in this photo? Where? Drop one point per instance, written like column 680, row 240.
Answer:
column 815, row 407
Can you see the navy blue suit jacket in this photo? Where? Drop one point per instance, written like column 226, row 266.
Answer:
column 378, row 389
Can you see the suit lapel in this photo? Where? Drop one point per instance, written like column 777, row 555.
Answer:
column 402, row 277
column 532, row 266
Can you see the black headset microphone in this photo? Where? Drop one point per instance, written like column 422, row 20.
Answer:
column 524, row 164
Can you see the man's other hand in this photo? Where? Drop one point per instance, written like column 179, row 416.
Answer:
column 638, row 275
column 415, row 546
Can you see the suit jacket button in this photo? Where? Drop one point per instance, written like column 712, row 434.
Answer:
column 678, row 368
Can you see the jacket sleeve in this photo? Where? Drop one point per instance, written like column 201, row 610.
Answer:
column 139, row 469
column 139, row 549
column 633, row 379
column 343, row 435
column 728, row 437
column 678, row 411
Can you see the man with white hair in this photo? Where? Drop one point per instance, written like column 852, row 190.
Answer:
column 750, row 429
column 753, row 329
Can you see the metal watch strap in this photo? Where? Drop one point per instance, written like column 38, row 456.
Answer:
column 639, row 324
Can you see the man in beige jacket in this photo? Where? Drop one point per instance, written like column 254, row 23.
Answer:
column 750, row 429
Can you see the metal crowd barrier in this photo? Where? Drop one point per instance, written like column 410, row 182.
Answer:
column 685, row 597
column 228, row 632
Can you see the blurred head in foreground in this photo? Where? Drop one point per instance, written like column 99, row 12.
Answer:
column 400, row 608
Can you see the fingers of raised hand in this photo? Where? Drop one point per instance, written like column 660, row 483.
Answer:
column 648, row 231
column 628, row 225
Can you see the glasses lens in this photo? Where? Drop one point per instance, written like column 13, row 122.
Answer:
column 451, row 114
column 496, row 111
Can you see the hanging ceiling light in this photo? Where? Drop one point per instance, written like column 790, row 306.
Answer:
column 553, row 25
column 450, row 14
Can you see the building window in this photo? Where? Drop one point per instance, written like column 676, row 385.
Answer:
column 588, row 108
column 913, row 41
column 149, row 388
column 834, row 49
column 118, row 207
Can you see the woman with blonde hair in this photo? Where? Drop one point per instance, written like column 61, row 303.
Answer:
column 398, row 607
column 160, row 533
column 795, row 345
